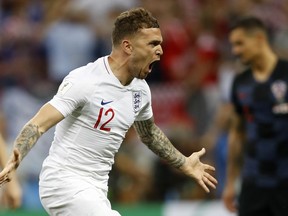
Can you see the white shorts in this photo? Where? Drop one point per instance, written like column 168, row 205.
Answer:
column 75, row 198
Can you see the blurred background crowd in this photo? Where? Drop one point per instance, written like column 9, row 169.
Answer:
column 41, row 41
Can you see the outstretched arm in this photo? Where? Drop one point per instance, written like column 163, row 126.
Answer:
column 158, row 142
column 46, row 118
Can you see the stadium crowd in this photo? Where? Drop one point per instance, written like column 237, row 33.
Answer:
column 41, row 41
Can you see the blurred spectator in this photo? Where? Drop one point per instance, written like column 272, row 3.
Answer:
column 263, row 9
column 19, row 105
column 23, row 84
column 215, row 137
column 281, row 43
column 176, row 44
column 70, row 42
column 11, row 195
column 98, row 10
column 102, row 15
column 132, row 178
column 20, row 49
column 202, row 91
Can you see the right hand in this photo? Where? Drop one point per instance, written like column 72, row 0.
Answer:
column 228, row 196
column 7, row 172
column 12, row 194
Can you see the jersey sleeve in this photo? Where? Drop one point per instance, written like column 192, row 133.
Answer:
column 72, row 94
column 146, row 112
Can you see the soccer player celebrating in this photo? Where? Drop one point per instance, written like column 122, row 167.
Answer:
column 94, row 107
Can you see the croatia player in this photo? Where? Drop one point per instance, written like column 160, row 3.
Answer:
column 94, row 107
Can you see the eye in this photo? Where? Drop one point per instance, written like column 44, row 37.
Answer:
column 154, row 43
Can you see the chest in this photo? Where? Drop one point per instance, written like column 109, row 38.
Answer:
column 264, row 99
column 113, row 109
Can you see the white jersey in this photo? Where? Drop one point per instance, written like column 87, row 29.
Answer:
column 98, row 111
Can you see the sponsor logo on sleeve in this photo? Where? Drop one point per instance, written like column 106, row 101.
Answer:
column 64, row 87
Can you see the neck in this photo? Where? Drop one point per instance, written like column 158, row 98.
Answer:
column 119, row 66
column 263, row 66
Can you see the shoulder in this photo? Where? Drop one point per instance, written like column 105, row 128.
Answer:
column 281, row 70
column 83, row 79
column 88, row 74
column 283, row 65
column 142, row 85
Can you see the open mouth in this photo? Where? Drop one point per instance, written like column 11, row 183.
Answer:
column 152, row 64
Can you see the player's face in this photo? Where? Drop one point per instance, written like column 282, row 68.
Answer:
column 244, row 45
column 146, row 50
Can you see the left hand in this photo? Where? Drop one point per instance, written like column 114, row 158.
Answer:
column 196, row 169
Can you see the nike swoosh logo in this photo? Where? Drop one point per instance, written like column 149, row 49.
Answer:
column 105, row 102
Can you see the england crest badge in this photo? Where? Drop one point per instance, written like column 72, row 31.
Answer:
column 137, row 100
column 279, row 89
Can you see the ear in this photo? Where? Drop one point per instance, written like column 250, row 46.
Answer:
column 127, row 47
column 261, row 37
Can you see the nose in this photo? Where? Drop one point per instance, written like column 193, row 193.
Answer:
column 159, row 51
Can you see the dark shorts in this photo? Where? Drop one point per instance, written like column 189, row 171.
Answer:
column 258, row 201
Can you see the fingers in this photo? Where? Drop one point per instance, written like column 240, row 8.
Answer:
column 203, row 185
column 209, row 182
column 201, row 152
column 230, row 204
column 4, row 180
column 198, row 170
column 228, row 197
column 231, row 207
column 2, row 183
column 208, row 167
column 4, row 177
column 210, row 178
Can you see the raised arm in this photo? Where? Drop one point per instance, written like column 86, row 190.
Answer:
column 157, row 141
column 46, row 118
